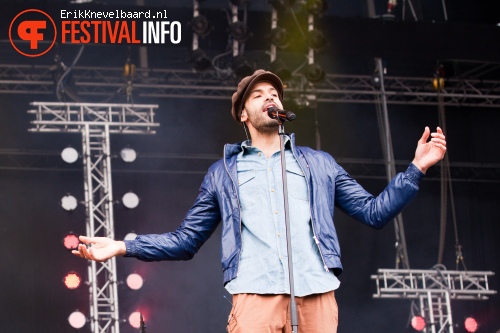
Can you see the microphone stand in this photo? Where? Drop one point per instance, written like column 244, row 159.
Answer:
column 143, row 326
column 293, row 305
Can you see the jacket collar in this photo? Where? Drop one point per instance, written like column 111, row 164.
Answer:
column 232, row 149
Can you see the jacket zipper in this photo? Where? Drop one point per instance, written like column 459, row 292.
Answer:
column 238, row 199
column 310, row 210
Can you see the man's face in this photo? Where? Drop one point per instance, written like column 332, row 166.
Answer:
column 262, row 96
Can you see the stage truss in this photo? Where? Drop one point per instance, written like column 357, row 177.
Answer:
column 96, row 122
column 433, row 289
column 106, row 82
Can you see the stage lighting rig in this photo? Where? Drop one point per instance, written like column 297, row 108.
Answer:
column 391, row 4
column 77, row 319
column 200, row 61
column 69, row 202
column 130, row 236
column 95, row 124
column 130, row 200
column 470, row 325
column 72, row 280
column 316, row 40
column 69, row 155
column 201, row 26
column 241, row 67
column 314, row 73
column 135, row 319
column 128, row 155
column 280, row 38
column 71, row 241
column 129, row 70
column 134, row 281
column 316, row 7
column 418, row 323
column 239, row 31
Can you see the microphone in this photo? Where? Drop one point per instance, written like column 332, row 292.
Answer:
column 282, row 115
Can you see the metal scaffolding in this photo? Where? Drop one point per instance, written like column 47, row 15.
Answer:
column 178, row 83
column 96, row 122
column 434, row 289
column 390, row 165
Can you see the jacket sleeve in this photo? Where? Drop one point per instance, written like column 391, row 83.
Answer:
column 182, row 244
column 377, row 211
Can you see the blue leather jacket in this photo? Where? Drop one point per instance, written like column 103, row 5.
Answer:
column 328, row 183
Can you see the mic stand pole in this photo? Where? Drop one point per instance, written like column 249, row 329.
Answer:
column 293, row 305
column 143, row 326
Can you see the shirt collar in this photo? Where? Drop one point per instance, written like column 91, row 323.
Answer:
column 247, row 144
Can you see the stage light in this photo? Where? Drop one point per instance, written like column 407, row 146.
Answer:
column 279, row 37
column 316, row 7
column 418, row 323
column 201, row 26
column 77, row 319
column 200, row 60
column 128, row 70
column 135, row 319
column 71, row 241
column 72, row 280
column 69, row 155
column 375, row 80
column 280, row 69
column 130, row 200
column 239, row 31
column 130, row 236
column 134, row 281
column 316, row 40
column 438, row 83
column 241, row 67
column 470, row 324
column 128, row 154
column 69, row 202
column 314, row 73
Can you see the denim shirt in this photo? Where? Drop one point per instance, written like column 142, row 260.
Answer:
column 263, row 265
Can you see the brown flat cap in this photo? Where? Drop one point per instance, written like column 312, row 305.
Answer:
column 245, row 86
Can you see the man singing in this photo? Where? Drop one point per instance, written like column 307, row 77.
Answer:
column 244, row 191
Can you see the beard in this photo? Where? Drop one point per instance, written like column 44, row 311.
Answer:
column 264, row 124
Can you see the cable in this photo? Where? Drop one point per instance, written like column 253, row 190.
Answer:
column 59, row 84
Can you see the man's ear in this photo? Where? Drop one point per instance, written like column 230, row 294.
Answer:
column 244, row 115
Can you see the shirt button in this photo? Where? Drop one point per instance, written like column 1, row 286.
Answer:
column 281, row 257
column 272, row 190
column 279, row 235
column 260, row 153
column 275, row 212
column 270, row 169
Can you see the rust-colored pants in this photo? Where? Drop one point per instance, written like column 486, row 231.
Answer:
column 252, row 313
